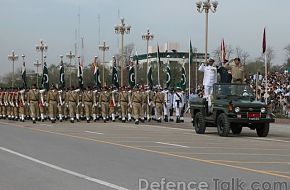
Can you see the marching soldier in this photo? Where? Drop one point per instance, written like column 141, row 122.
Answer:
column 6, row 104
column 113, row 103
column 42, row 105
column 72, row 97
column 79, row 108
column 178, row 103
column 159, row 101
column 22, row 105
column 52, row 100
column 104, row 99
column 61, row 104
column 124, row 100
column 33, row 98
column 87, row 100
column 16, row 104
column 96, row 105
column 1, row 103
column 66, row 106
column 137, row 104
column 168, row 99
column 130, row 109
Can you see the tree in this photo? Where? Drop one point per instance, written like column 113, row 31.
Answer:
column 287, row 50
column 270, row 55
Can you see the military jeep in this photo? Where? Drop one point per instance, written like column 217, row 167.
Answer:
column 230, row 108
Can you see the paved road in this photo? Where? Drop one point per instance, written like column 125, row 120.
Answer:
column 100, row 156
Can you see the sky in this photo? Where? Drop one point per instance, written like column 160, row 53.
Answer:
column 240, row 22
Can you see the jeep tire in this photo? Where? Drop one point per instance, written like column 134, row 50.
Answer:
column 263, row 129
column 223, row 125
column 199, row 123
column 236, row 129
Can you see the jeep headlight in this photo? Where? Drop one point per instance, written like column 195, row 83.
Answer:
column 237, row 109
column 263, row 110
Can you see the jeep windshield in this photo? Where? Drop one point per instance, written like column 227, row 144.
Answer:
column 233, row 91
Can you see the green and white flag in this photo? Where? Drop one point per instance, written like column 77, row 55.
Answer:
column 115, row 76
column 80, row 76
column 132, row 76
column 183, row 78
column 61, row 76
column 168, row 76
column 96, row 73
column 45, row 79
column 149, row 76
column 23, row 76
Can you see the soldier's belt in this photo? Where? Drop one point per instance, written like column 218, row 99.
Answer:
column 159, row 102
column 53, row 100
column 33, row 100
column 138, row 102
column 125, row 101
column 88, row 101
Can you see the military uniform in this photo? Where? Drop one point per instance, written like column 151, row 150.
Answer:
column 178, row 101
column 16, row 105
column 42, row 105
column 72, row 97
column 52, row 100
column 113, row 104
column 1, row 103
column 159, row 101
column 22, row 105
column 87, row 100
column 104, row 100
column 124, row 100
column 137, row 105
column 61, row 104
column 96, row 111
column 168, row 103
column 33, row 98
column 237, row 71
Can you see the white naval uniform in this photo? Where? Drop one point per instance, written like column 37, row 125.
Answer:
column 209, row 78
column 178, row 101
column 168, row 98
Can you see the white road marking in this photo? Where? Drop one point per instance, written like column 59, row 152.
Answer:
column 177, row 145
column 269, row 139
column 93, row 132
column 231, row 153
column 82, row 176
column 48, row 125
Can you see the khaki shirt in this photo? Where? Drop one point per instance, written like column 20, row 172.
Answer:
column 237, row 71
column 137, row 97
column 52, row 95
column 159, row 98
column 72, row 96
column 33, row 95
column 123, row 96
column 88, row 96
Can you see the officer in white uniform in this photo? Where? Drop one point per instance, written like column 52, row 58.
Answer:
column 168, row 97
column 209, row 77
column 178, row 101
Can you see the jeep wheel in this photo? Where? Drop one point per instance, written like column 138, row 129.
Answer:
column 263, row 129
column 236, row 129
column 199, row 123
column 223, row 125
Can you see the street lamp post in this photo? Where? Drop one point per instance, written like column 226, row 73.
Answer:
column 122, row 29
column 103, row 48
column 147, row 36
column 13, row 58
column 37, row 65
column 41, row 47
column 70, row 56
column 205, row 6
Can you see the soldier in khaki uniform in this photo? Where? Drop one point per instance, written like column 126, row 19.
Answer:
column 10, row 104
column 66, row 107
column 96, row 105
column 124, row 100
column 137, row 104
column 52, row 100
column 113, row 103
column 22, row 105
column 159, row 101
column 104, row 100
column 87, row 100
column 237, row 70
column 130, row 107
column 61, row 104
column 33, row 98
column 16, row 104
column 6, row 104
column 1, row 103
column 80, row 106
column 72, row 97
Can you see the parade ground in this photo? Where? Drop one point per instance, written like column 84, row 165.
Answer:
column 97, row 156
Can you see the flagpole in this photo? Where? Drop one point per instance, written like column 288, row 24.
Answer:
column 195, row 51
column 158, row 65
column 189, row 63
column 136, row 68
column 266, row 79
